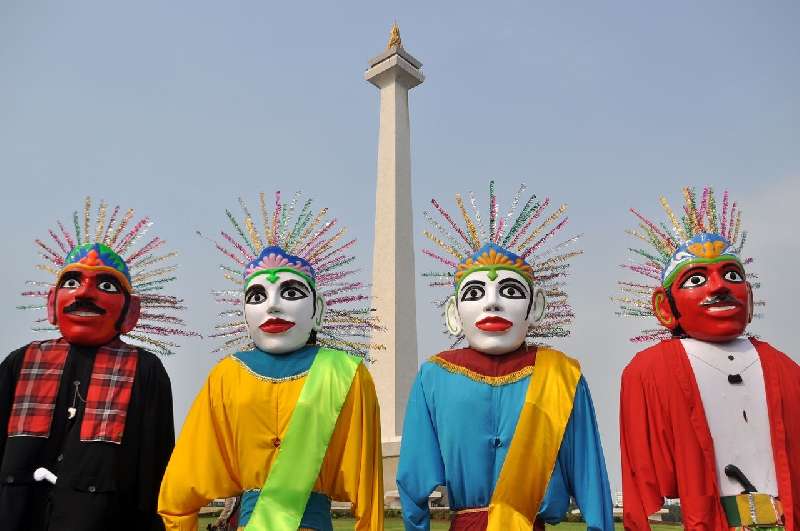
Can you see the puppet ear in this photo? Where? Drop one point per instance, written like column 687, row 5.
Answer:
column 662, row 309
column 750, row 304
column 51, row 307
column 451, row 317
column 132, row 317
column 538, row 306
column 319, row 314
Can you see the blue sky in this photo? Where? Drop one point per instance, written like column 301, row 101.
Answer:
column 178, row 108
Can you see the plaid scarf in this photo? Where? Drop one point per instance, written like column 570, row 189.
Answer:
column 107, row 400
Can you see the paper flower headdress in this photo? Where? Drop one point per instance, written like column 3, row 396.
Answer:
column 112, row 244
column 294, row 239
column 702, row 234
column 515, row 241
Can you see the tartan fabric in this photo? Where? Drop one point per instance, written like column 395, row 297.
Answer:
column 37, row 388
column 109, row 393
column 107, row 399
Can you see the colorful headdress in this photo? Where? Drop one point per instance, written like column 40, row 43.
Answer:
column 273, row 260
column 98, row 245
column 303, row 243
column 700, row 235
column 515, row 242
column 100, row 257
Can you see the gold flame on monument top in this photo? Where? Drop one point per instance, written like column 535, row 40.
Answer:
column 394, row 37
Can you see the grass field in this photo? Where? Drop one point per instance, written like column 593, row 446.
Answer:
column 396, row 524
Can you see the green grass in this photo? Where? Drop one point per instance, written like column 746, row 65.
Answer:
column 396, row 524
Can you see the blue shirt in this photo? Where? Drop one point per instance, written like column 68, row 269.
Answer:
column 457, row 432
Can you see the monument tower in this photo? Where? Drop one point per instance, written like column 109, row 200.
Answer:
column 394, row 72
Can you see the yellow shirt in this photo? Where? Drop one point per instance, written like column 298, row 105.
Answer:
column 232, row 434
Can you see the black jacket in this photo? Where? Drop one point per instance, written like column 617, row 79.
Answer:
column 101, row 485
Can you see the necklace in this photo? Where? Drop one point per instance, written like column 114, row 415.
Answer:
column 732, row 378
column 72, row 410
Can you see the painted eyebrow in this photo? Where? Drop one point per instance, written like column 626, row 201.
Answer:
column 733, row 265
column 696, row 269
column 473, row 283
column 510, row 280
column 108, row 278
column 254, row 287
column 295, row 283
column 70, row 275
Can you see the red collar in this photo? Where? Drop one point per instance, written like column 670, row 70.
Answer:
column 497, row 369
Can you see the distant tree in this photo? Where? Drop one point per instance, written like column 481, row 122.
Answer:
column 674, row 514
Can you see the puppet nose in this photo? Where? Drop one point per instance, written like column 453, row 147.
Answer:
column 492, row 302
column 716, row 284
column 83, row 292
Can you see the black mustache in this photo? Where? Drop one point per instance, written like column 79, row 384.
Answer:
column 81, row 305
column 716, row 299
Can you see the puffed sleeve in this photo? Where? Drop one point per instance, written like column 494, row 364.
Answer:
column 420, row 469
column 203, row 465
column 9, row 371
column 639, row 440
column 357, row 441
column 580, row 470
column 157, row 442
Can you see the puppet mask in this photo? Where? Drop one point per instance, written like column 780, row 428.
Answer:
column 281, row 310
column 91, row 302
column 494, row 308
column 712, row 301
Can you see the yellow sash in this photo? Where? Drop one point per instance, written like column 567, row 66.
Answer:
column 537, row 439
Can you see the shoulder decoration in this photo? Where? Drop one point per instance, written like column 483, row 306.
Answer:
column 701, row 235
column 517, row 241
column 500, row 380
column 114, row 245
column 294, row 238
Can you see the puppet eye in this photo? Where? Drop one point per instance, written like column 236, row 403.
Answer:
column 694, row 281
column 472, row 293
column 733, row 276
column 293, row 293
column 510, row 291
column 71, row 283
column 107, row 286
column 255, row 296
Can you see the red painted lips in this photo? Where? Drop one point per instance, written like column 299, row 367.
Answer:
column 494, row 324
column 276, row 326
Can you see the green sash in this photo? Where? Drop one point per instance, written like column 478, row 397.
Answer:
column 283, row 498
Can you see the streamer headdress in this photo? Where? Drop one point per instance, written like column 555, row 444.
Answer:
column 299, row 239
column 700, row 234
column 519, row 240
column 113, row 244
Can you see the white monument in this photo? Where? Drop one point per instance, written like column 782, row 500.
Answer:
column 394, row 72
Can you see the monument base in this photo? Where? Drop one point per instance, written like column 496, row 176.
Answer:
column 391, row 455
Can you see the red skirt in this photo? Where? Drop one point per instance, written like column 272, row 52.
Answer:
column 478, row 520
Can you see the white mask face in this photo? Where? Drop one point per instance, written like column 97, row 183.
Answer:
column 280, row 315
column 494, row 315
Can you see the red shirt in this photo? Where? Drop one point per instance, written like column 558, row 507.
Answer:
column 667, row 449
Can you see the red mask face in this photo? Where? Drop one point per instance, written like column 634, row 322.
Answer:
column 713, row 301
column 87, row 306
